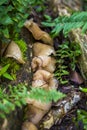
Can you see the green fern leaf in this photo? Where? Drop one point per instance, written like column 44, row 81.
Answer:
column 67, row 23
column 84, row 28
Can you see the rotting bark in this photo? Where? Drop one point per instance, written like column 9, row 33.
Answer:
column 59, row 110
column 79, row 38
column 65, row 7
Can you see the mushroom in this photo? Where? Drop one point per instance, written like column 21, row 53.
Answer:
column 42, row 49
column 44, row 79
column 53, row 83
column 14, row 51
column 38, row 104
column 36, row 110
column 43, row 62
column 28, row 126
column 41, row 79
column 42, row 75
column 37, row 33
column 40, row 83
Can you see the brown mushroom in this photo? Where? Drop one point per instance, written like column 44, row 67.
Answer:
column 44, row 79
column 53, row 83
column 14, row 51
column 42, row 49
column 43, row 62
column 42, row 75
column 36, row 111
column 28, row 126
column 37, row 33
column 40, row 83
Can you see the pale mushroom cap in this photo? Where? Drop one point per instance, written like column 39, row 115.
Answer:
column 53, row 83
column 37, row 33
column 14, row 51
column 42, row 75
column 44, row 62
column 35, row 114
column 39, row 104
column 28, row 126
column 42, row 49
column 39, row 84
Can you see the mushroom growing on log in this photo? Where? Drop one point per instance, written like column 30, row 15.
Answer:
column 37, row 33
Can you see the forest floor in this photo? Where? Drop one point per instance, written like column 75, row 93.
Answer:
column 74, row 119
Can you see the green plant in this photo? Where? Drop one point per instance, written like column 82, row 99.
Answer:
column 82, row 116
column 13, row 68
column 22, row 44
column 67, row 23
column 4, row 73
column 13, row 14
column 45, row 96
column 17, row 95
column 67, row 53
column 84, row 2
column 14, row 98
column 83, row 89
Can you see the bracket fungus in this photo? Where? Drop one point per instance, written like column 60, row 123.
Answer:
column 37, row 33
column 14, row 51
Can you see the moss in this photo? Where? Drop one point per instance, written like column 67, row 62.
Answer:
column 23, row 47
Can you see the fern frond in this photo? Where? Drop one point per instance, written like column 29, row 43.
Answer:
column 67, row 23
column 17, row 95
column 45, row 96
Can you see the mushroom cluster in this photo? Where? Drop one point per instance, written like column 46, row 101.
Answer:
column 43, row 66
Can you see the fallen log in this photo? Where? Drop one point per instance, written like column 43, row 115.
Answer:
column 59, row 110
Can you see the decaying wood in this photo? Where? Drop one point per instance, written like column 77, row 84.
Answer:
column 59, row 111
column 81, row 40
column 65, row 7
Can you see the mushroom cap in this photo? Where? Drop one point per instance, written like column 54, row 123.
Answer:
column 42, row 75
column 40, row 83
column 38, row 104
column 14, row 51
column 42, row 49
column 44, row 62
column 35, row 114
column 37, row 33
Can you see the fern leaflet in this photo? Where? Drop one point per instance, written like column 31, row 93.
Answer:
column 67, row 23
